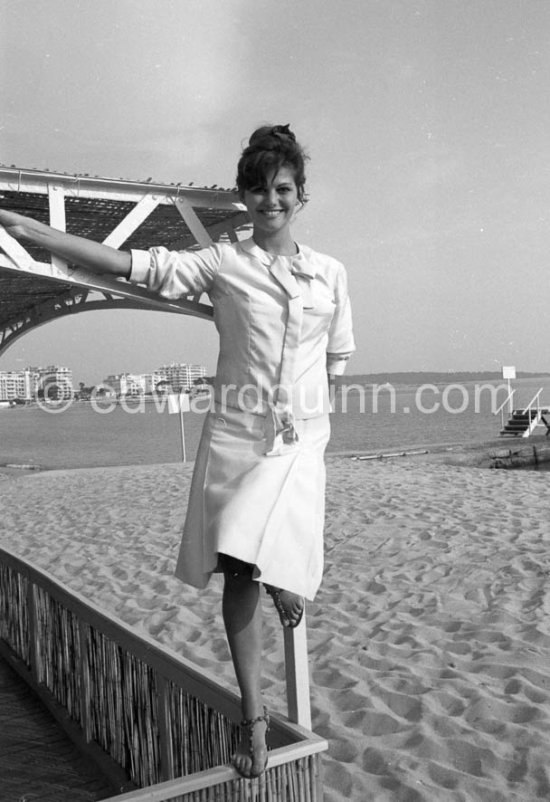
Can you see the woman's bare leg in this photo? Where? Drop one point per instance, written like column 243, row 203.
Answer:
column 242, row 615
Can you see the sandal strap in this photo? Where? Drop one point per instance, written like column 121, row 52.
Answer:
column 275, row 594
column 250, row 722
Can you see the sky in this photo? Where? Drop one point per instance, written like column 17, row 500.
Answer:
column 427, row 123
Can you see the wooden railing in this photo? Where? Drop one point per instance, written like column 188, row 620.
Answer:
column 149, row 718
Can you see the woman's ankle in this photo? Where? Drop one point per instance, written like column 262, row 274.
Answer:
column 251, row 707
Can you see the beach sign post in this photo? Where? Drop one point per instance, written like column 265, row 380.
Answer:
column 179, row 402
column 508, row 373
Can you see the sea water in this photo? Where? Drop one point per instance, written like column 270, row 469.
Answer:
column 365, row 420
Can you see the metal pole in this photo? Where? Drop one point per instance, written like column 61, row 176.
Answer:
column 182, row 430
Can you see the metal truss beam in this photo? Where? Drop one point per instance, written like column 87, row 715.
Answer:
column 75, row 289
column 69, row 303
column 15, row 179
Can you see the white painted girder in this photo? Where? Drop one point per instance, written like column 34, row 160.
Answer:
column 192, row 221
column 36, row 181
column 115, row 292
column 56, row 197
column 19, row 257
column 79, row 277
column 132, row 221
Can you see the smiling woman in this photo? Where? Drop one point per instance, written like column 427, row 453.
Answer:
column 272, row 207
column 271, row 182
column 256, row 505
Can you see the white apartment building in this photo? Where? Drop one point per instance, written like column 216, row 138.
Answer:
column 181, row 375
column 17, row 384
column 169, row 378
column 133, row 384
column 56, row 383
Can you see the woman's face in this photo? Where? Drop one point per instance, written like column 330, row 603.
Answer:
column 271, row 207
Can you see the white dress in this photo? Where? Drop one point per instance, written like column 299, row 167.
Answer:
column 258, row 486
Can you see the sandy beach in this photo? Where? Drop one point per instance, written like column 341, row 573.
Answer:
column 429, row 641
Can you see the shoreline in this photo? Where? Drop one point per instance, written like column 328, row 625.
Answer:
column 509, row 453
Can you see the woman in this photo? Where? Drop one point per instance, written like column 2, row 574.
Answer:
column 256, row 505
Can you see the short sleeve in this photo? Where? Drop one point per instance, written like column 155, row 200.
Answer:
column 340, row 339
column 176, row 274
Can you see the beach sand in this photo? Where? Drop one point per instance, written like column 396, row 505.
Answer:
column 429, row 641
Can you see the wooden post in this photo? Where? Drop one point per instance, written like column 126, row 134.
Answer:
column 165, row 729
column 34, row 648
column 85, row 682
column 297, row 674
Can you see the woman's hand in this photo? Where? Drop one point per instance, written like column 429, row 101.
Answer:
column 13, row 223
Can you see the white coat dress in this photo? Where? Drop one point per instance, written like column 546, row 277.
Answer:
column 257, row 492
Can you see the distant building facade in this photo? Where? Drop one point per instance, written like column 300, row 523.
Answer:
column 55, row 383
column 181, row 376
column 52, row 382
column 128, row 384
column 17, row 384
column 168, row 378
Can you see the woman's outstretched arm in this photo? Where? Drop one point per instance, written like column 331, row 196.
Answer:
column 77, row 250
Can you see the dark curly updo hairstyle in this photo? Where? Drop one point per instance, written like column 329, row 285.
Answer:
column 270, row 148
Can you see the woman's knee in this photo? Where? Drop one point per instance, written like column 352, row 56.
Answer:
column 235, row 570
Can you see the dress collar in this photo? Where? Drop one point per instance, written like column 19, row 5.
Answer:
column 299, row 263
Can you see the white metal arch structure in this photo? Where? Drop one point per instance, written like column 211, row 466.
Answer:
column 36, row 287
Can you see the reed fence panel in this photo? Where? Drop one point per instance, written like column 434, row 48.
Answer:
column 168, row 727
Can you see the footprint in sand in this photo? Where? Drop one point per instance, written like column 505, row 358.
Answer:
column 332, row 678
column 374, row 762
column 345, row 751
column 337, row 776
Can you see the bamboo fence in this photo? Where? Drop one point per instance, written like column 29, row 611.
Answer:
column 160, row 729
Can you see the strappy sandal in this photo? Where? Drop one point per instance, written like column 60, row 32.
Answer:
column 248, row 725
column 275, row 594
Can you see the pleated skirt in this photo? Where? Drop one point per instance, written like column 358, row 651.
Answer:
column 265, row 510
